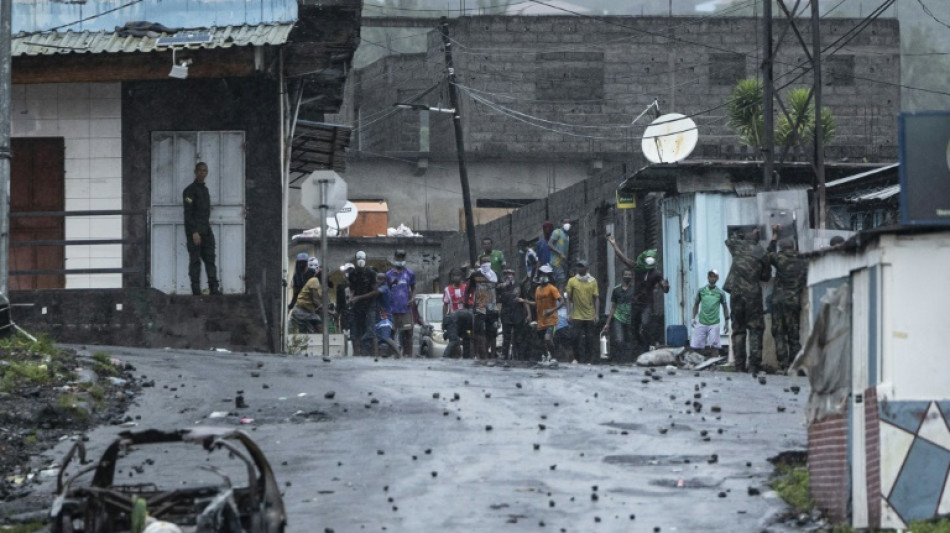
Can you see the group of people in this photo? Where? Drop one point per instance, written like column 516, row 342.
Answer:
column 752, row 265
column 376, row 307
column 548, row 310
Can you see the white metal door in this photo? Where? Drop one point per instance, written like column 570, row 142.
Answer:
column 174, row 155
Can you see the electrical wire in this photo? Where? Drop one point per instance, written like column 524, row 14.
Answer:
column 927, row 10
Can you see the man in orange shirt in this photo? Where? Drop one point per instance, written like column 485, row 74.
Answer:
column 547, row 300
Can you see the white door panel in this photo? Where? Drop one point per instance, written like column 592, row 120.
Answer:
column 174, row 155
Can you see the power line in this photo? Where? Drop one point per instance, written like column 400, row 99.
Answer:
column 927, row 10
column 80, row 21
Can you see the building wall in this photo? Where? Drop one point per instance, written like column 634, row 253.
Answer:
column 828, row 465
column 88, row 116
column 584, row 71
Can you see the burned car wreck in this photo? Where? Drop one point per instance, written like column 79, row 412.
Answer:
column 179, row 495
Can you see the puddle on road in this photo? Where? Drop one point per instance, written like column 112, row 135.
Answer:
column 655, row 460
column 687, row 483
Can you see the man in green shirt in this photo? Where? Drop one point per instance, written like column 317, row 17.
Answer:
column 706, row 326
column 619, row 319
column 497, row 257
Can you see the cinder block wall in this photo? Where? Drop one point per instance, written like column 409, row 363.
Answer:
column 828, row 466
column 534, row 66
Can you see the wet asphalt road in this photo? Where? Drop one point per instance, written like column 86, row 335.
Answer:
column 435, row 445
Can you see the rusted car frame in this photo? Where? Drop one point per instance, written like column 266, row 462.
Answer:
column 103, row 506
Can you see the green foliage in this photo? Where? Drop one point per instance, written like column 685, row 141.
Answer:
column 793, row 486
column 796, row 129
column 930, row 526
column 21, row 374
column 102, row 363
column 21, row 345
column 745, row 112
column 70, row 404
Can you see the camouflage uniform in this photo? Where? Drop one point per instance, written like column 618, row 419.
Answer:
column 749, row 262
column 791, row 271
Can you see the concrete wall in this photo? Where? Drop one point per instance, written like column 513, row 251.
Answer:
column 88, row 116
column 536, row 66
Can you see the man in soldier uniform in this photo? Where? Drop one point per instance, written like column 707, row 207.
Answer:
column 198, row 235
column 749, row 266
column 791, row 271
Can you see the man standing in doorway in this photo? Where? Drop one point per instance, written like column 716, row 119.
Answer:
column 584, row 299
column 402, row 286
column 198, row 235
column 560, row 244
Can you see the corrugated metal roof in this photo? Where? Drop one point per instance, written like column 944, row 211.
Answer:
column 862, row 175
column 110, row 42
column 879, row 194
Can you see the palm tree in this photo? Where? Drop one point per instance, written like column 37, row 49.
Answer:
column 796, row 129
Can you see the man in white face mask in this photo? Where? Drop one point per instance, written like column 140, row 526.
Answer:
column 361, row 281
column 560, row 244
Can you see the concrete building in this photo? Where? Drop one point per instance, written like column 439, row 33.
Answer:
column 879, row 447
column 105, row 139
column 548, row 102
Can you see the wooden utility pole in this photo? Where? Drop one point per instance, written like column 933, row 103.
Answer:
column 819, row 124
column 6, row 70
column 768, row 90
column 459, row 143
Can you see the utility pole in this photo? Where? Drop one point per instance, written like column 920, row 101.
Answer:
column 6, row 69
column 768, row 94
column 819, row 125
column 459, row 142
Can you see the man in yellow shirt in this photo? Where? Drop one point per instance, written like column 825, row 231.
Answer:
column 583, row 297
column 307, row 311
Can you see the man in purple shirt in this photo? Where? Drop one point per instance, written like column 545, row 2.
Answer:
column 402, row 287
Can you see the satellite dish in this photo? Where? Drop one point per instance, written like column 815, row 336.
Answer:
column 669, row 139
column 343, row 218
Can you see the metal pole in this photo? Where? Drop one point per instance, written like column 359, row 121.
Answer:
column 819, row 125
column 6, row 68
column 325, row 297
column 459, row 143
column 768, row 94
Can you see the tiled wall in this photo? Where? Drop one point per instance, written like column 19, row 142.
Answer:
column 88, row 117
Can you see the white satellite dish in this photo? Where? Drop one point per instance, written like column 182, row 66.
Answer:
column 343, row 218
column 669, row 139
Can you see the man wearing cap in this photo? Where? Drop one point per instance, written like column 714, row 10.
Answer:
column 199, row 238
column 301, row 274
column 402, row 286
column 583, row 299
column 362, row 280
column 706, row 324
